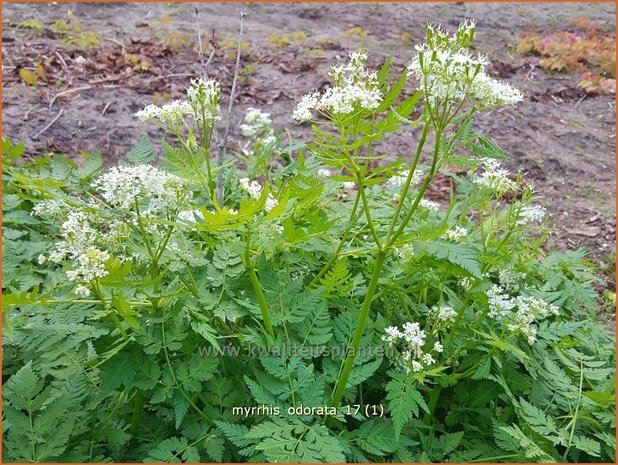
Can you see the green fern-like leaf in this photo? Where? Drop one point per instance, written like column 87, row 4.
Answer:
column 462, row 255
column 404, row 400
column 173, row 450
column 142, row 153
column 296, row 442
column 337, row 281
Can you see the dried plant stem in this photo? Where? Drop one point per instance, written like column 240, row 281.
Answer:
column 223, row 150
column 201, row 45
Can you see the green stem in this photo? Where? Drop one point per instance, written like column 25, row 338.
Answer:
column 428, row 178
column 404, row 192
column 344, row 236
column 257, row 287
column 433, row 401
column 574, row 420
column 138, row 407
column 261, row 299
column 358, row 332
column 458, row 318
column 367, row 210
column 492, row 459
column 112, row 313
column 175, row 380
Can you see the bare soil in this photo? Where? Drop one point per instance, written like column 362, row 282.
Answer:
column 563, row 138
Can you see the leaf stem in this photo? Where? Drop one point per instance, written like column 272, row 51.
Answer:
column 257, row 287
column 358, row 332
column 344, row 236
column 138, row 407
column 421, row 193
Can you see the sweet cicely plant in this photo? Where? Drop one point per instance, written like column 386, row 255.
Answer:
column 302, row 302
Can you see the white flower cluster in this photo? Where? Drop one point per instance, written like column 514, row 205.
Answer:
column 258, row 125
column 530, row 214
column 405, row 252
column 399, row 179
column 519, row 313
column 494, row 178
column 49, row 208
column 323, row 173
column 172, row 113
column 89, row 266
column 411, row 341
column 448, row 73
column 89, row 239
column 429, row 205
column 203, row 97
column 202, row 104
column 155, row 191
column 466, row 283
column 510, row 279
column 190, row 216
column 445, row 313
column 80, row 234
column 356, row 88
column 456, row 233
column 254, row 189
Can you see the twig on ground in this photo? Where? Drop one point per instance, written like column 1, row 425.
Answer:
column 168, row 76
column 27, row 114
column 117, row 42
column 64, row 63
column 579, row 101
column 105, row 108
column 67, row 92
column 223, row 150
column 78, row 89
column 36, row 136
column 530, row 73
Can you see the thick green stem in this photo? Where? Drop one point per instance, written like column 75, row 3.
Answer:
column 257, row 287
column 112, row 313
column 138, row 407
column 433, row 401
column 358, row 332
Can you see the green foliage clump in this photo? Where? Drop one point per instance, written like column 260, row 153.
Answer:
column 300, row 309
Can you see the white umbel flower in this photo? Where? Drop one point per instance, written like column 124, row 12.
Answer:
column 429, row 205
column 456, row 233
column 356, row 89
column 254, row 189
column 410, row 342
column 258, row 126
column 156, row 191
column 530, row 214
column 445, row 313
column 494, row 178
column 448, row 73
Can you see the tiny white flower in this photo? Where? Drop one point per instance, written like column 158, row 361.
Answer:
column 406, row 251
column 270, row 203
column 82, row 291
column 429, row 205
column 445, row 313
column 456, row 233
column 530, row 214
